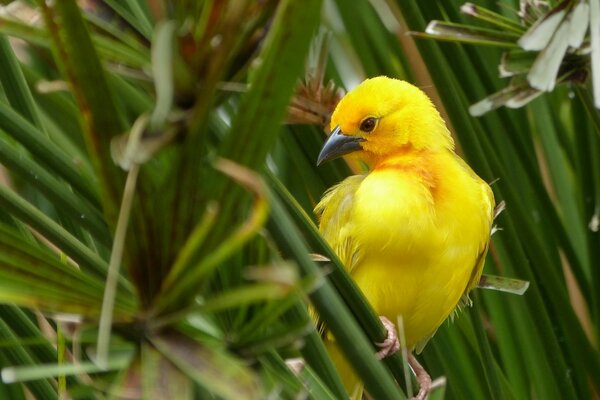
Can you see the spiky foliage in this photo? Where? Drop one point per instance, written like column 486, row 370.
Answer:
column 156, row 228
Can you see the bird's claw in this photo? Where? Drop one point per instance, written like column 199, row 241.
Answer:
column 391, row 344
column 422, row 377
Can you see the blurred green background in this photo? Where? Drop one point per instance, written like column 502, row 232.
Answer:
column 158, row 181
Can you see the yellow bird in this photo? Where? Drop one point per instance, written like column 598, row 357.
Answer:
column 414, row 231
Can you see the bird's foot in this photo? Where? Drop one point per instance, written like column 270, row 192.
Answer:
column 422, row 377
column 391, row 344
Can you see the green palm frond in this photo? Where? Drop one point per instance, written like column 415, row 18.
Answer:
column 546, row 46
column 218, row 110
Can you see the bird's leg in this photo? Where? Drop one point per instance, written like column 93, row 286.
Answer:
column 391, row 344
column 422, row 377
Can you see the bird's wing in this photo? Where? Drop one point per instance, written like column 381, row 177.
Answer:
column 488, row 205
column 487, row 214
column 487, row 210
column 335, row 216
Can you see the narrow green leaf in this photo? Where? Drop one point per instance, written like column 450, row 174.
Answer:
column 52, row 231
column 549, row 132
column 185, row 284
column 31, row 262
column 114, row 266
column 285, row 383
column 65, row 201
column 273, row 311
column 508, row 285
column 210, row 367
column 237, row 297
column 61, row 351
column 14, row 84
column 102, row 120
column 595, row 38
column 109, row 49
column 116, row 52
column 289, row 38
column 47, row 153
column 315, row 353
column 28, row 335
column 131, row 12
column 160, row 378
column 511, row 96
column 491, row 17
column 13, row 392
column 371, row 39
column 133, row 97
column 23, row 374
column 50, row 288
column 113, row 29
column 162, row 72
column 315, row 386
column 41, row 389
column 139, row 9
column 29, row 32
column 485, row 354
column 589, row 168
column 516, row 62
column 454, row 32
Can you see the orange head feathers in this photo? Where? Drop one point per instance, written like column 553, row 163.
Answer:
column 382, row 116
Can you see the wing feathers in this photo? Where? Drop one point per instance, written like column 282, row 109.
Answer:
column 335, row 214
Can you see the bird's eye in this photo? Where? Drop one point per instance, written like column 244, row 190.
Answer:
column 368, row 124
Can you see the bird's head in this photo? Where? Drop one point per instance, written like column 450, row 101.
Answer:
column 381, row 117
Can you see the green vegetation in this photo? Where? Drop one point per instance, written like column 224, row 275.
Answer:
column 156, row 224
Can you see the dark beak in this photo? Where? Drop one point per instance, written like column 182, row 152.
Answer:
column 338, row 144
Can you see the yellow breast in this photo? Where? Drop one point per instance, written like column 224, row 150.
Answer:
column 417, row 226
